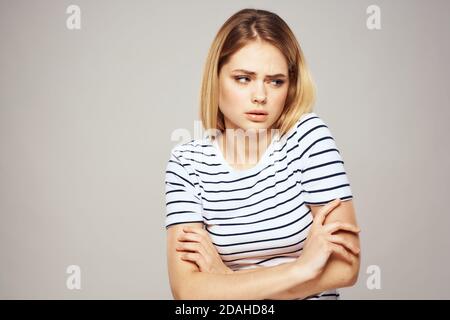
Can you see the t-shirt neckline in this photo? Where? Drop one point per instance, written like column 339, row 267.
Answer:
column 276, row 141
column 258, row 166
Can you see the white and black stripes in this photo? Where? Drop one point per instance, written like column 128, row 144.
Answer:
column 260, row 216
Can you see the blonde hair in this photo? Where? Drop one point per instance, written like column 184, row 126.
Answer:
column 241, row 28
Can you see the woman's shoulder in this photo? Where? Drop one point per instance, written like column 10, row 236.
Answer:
column 304, row 124
column 308, row 123
column 309, row 129
column 307, row 118
column 192, row 149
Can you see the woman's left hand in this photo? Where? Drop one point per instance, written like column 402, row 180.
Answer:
column 198, row 248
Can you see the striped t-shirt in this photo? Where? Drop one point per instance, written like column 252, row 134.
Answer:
column 259, row 216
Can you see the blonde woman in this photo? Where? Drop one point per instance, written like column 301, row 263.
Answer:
column 266, row 214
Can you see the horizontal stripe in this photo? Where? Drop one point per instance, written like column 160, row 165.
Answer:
column 325, row 202
column 264, row 240
column 322, row 165
column 252, row 204
column 175, row 184
column 253, row 232
column 254, row 213
column 262, row 220
column 323, row 177
column 262, row 249
column 182, row 178
column 323, row 295
column 328, row 189
column 253, row 194
column 181, row 201
column 175, row 223
column 278, row 257
column 199, row 152
column 324, row 151
column 180, row 212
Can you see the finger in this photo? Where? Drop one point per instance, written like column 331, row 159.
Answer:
column 193, row 237
column 192, row 247
column 325, row 210
column 199, row 231
column 342, row 241
column 203, row 237
column 204, row 241
column 196, row 258
column 340, row 251
column 203, row 260
column 338, row 225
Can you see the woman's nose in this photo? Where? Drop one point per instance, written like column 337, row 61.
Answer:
column 259, row 96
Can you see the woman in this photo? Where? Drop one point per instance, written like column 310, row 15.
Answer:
column 265, row 227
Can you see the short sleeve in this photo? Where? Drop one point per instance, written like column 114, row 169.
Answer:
column 183, row 202
column 323, row 175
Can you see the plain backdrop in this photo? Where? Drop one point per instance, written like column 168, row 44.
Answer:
column 86, row 118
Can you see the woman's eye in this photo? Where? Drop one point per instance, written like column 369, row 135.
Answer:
column 243, row 80
column 238, row 79
column 279, row 82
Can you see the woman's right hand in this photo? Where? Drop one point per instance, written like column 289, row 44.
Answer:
column 321, row 242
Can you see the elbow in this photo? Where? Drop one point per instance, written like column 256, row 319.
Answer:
column 352, row 279
column 345, row 273
column 351, row 273
column 183, row 291
column 188, row 295
column 180, row 294
column 176, row 292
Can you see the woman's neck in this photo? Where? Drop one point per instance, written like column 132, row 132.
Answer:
column 242, row 148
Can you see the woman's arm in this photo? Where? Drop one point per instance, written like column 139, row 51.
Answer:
column 187, row 282
column 338, row 273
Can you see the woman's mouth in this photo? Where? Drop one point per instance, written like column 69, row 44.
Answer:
column 257, row 115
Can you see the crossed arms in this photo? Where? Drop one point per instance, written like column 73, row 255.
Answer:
column 286, row 281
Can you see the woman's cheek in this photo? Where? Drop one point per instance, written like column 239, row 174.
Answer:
column 280, row 98
column 236, row 97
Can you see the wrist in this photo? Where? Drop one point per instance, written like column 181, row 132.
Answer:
column 302, row 271
column 227, row 270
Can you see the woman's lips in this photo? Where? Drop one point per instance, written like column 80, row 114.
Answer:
column 256, row 116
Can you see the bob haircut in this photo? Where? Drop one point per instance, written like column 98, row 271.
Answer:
column 240, row 29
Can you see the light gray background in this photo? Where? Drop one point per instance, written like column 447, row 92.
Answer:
column 86, row 118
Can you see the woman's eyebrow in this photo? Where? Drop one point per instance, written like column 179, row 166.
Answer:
column 252, row 73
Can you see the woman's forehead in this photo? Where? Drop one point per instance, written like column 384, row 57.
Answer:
column 258, row 58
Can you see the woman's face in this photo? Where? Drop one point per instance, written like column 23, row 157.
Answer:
column 255, row 78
